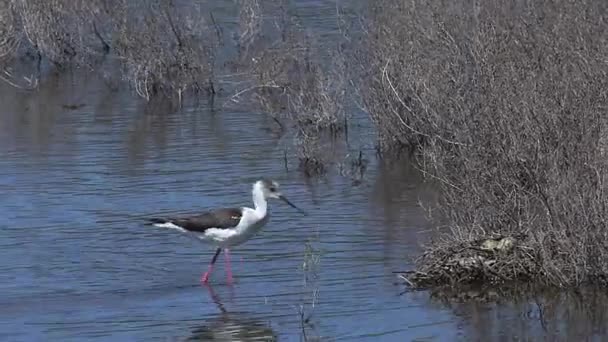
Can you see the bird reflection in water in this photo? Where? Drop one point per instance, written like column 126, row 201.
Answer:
column 231, row 327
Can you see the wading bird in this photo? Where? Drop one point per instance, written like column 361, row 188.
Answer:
column 228, row 227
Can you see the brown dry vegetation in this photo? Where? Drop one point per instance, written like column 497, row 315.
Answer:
column 8, row 32
column 292, row 79
column 161, row 48
column 506, row 103
column 167, row 49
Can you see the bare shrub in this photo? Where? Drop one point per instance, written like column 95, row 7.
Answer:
column 165, row 50
column 311, row 152
column 46, row 25
column 290, row 76
column 318, row 99
column 250, row 27
column 9, row 34
column 63, row 30
column 293, row 79
column 11, row 39
column 59, row 31
column 506, row 102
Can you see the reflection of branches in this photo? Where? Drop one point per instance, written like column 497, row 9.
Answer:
column 32, row 82
column 539, row 313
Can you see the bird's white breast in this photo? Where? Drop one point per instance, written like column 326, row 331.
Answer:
column 250, row 224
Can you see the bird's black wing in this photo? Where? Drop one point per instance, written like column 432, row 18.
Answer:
column 219, row 218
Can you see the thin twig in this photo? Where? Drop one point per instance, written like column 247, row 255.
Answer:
column 404, row 278
column 437, row 178
column 234, row 97
column 385, row 75
column 218, row 29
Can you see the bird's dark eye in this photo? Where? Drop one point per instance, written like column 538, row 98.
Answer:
column 272, row 189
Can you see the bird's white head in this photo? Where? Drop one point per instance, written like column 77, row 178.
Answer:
column 270, row 189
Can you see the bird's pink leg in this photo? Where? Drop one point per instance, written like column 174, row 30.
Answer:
column 228, row 268
column 205, row 277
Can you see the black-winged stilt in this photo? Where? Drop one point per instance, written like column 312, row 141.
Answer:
column 228, row 227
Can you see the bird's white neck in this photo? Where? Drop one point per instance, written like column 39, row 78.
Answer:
column 259, row 201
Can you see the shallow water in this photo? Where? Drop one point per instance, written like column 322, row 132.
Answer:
column 77, row 263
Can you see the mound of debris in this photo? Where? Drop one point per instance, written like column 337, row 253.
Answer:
column 492, row 260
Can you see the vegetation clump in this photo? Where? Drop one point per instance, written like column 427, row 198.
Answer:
column 497, row 260
column 505, row 104
column 292, row 79
column 162, row 47
column 166, row 50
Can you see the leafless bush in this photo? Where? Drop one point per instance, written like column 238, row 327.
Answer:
column 250, row 27
column 163, row 48
column 11, row 38
column 62, row 31
column 9, row 34
column 312, row 153
column 166, row 50
column 47, row 27
column 292, row 79
column 318, row 99
column 507, row 103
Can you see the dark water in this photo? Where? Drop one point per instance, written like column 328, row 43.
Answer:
column 76, row 262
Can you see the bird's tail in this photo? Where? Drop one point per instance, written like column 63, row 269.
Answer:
column 156, row 220
column 164, row 223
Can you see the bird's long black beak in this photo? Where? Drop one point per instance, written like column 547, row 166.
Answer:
column 284, row 199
